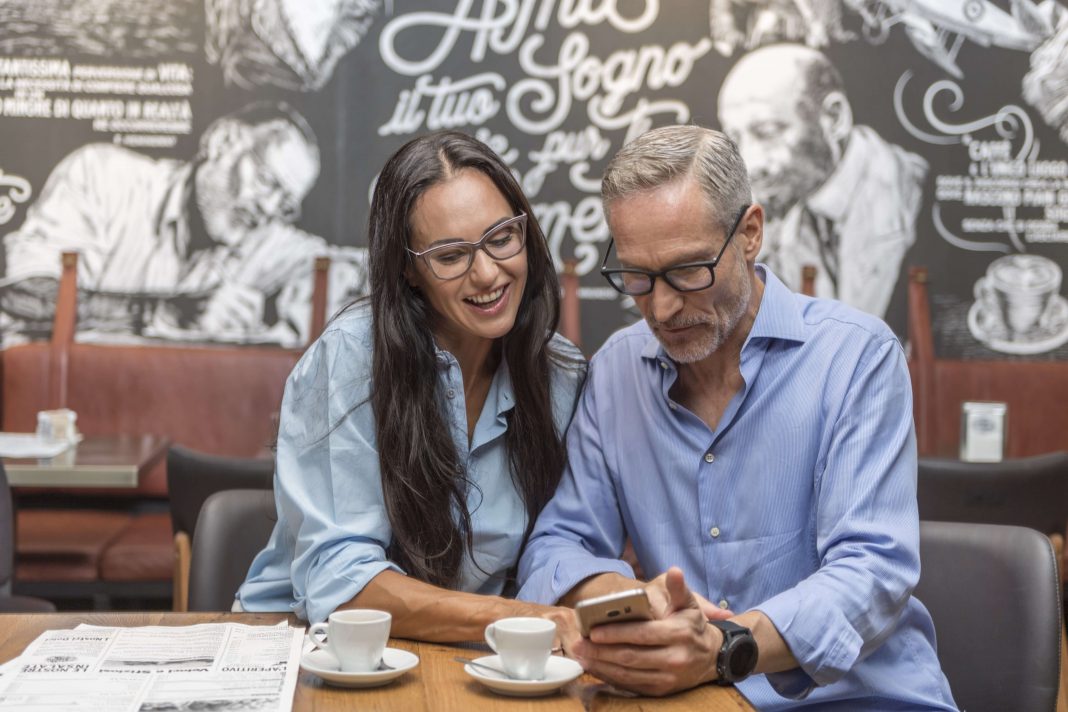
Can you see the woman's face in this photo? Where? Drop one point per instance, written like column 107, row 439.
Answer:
column 484, row 301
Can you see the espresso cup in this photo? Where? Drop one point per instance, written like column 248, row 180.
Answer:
column 523, row 644
column 355, row 637
column 1018, row 290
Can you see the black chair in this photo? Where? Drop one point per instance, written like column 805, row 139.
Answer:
column 192, row 477
column 233, row 527
column 1026, row 492
column 994, row 595
column 10, row 603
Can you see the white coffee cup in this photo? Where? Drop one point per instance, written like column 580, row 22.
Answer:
column 523, row 644
column 355, row 637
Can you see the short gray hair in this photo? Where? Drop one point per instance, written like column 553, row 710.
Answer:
column 664, row 155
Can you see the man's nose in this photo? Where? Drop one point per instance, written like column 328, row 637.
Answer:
column 665, row 301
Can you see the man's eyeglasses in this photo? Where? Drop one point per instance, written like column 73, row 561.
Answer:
column 452, row 260
column 688, row 277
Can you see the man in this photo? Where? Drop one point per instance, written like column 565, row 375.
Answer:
column 292, row 44
column 838, row 196
column 171, row 248
column 755, row 445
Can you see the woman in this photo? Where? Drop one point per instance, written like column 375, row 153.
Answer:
column 422, row 433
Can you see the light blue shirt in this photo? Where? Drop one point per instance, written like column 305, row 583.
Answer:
column 801, row 503
column 333, row 531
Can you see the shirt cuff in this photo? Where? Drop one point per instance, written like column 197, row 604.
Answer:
column 824, row 646
column 551, row 583
column 339, row 588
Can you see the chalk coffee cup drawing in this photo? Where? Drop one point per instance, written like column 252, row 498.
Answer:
column 1018, row 294
column 523, row 644
column 356, row 638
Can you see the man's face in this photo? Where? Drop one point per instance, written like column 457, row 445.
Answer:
column 263, row 177
column 778, row 134
column 668, row 226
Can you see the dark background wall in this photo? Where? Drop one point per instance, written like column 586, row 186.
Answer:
column 970, row 90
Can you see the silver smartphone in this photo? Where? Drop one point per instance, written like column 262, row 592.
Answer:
column 632, row 605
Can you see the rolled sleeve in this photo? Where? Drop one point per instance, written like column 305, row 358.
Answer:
column 867, row 532
column 580, row 533
column 328, row 486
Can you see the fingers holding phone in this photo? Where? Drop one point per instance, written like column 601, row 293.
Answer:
column 632, row 605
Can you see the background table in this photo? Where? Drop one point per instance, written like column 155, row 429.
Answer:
column 437, row 685
column 97, row 461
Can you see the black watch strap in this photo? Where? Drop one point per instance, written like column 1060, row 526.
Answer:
column 737, row 655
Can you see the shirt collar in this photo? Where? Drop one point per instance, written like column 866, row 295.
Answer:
column 778, row 317
column 502, row 379
column 827, row 200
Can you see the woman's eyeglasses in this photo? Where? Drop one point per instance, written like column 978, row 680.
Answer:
column 452, row 260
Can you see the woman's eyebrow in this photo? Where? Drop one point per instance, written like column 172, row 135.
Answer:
column 451, row 240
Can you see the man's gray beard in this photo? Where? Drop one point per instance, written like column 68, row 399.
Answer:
column 711, row 340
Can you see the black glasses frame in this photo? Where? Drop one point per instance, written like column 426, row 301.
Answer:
column 472, row 247
column 666, row 273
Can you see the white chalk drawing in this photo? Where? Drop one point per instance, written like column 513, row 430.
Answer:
column 292, row 44
column 1045, row 86
column 204, row 249
column 1018, row 307
column 1010, row 121
column 107, row 28
column 837, row 196
column 14, row 190
column 749, row 24
column 553, row 84
column 938, row 29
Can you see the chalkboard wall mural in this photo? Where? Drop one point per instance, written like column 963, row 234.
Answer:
column 200, row 153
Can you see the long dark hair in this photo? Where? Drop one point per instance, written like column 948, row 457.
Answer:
column 423, row 482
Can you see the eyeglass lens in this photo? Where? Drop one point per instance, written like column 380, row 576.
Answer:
column 451, row 261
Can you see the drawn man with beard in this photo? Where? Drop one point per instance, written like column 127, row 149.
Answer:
column 837, row 195
column 172, row 248
column 292, row 44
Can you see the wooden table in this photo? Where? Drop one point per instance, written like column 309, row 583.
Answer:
column 437, row 685
column 97, row 461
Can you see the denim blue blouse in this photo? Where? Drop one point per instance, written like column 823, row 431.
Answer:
column 333, row 533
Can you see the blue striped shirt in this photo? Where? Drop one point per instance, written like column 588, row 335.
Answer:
column 801, row 503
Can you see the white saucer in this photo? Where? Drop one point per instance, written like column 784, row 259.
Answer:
column 558, row 672
column 325, row 665
column 1046, row 337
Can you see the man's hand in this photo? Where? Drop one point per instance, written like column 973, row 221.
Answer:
column 675, row 652
column 660, row 598
column 233, row 308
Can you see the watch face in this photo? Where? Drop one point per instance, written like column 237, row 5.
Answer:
column 742, row 658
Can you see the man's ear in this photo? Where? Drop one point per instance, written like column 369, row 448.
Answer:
column 224, row 137
column 836, row 120
column 752, row 229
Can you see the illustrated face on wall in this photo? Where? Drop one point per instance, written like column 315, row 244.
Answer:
column 765, row 106
column 261, row 175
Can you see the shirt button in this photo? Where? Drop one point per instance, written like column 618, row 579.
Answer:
column 459, row 469
column 672, row 406
column 709, row 457
column 450, row 393
column 663, row 364
column 714, row 531
column 724, row 605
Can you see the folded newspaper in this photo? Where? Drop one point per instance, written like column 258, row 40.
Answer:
column 210, row 666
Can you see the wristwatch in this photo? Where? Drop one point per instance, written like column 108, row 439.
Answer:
column 737, row 656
